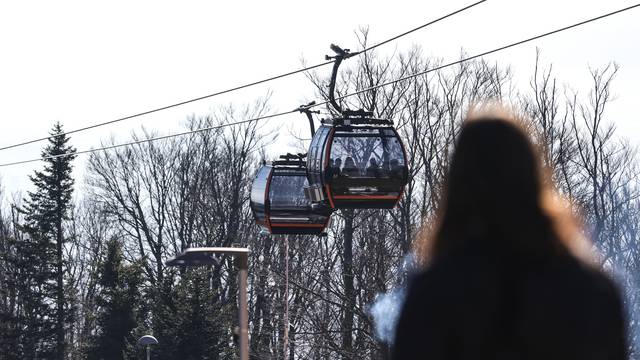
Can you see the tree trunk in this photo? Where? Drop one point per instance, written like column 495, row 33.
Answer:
column 60, row 344
column 347, row 277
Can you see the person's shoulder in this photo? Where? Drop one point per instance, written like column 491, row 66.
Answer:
column 451, row 274
column 601, row 282
column 437, row 271
column 431, row 276
column 583, row 271
column 571, row 275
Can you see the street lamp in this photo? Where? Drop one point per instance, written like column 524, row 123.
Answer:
column 203, row 256
column 147, row 341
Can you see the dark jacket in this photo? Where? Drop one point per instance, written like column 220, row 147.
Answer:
column 478, row 306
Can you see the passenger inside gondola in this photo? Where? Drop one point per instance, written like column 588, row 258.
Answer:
column 385, row 167
column 373, row 170
column 396, row 169
column 336, row 171
column 350, row 169
column 330, row 168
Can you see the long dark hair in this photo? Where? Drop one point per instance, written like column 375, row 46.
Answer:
column 498, row 196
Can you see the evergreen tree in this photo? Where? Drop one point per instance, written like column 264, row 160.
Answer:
column 189, row 319
column 40, row 253
column 9, row 326
column 118, row 302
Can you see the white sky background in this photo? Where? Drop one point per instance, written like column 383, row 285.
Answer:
column 81, row 62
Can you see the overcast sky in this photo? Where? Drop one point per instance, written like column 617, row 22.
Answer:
column 82, row 62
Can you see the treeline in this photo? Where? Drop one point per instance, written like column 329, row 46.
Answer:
column 87, row 279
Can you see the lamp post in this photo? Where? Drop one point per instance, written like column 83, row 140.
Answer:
column 147, row 341
column 203, row 256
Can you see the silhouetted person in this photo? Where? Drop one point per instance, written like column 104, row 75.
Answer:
column 373, row 170
column 330, row 169
column 384, row 170
column 350, row 169
column 396, row 168
column 336, row 167
column 504, row 276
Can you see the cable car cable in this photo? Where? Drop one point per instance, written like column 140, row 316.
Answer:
column 162, row 108
column 152, row 139
column 481, row 54
column 338, row 98
column 419, row 27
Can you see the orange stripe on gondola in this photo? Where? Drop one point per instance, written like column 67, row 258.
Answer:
column 381, row 197
column 329, row 196
column 267, row 203
column 297, row 225
column 327, row 148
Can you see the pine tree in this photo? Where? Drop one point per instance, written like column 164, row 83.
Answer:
column 194, row 325
column 40, row 254
column 119, row 302
column 9, row 326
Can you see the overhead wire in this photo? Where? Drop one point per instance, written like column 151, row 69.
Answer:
column 240, row 87
column 460, row 61
column 167, row 107
column 142, row 141
column 463, row 60
column 419, row 27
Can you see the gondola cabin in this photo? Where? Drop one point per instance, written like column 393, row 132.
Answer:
column 356, row 162
column 278, row 201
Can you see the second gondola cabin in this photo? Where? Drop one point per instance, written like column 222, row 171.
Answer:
column 278, row 201
column 356, row 161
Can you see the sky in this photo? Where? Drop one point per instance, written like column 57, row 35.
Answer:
column 81, row 62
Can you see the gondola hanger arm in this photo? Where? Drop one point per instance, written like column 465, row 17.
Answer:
column 306, row 109
column 341, row 54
